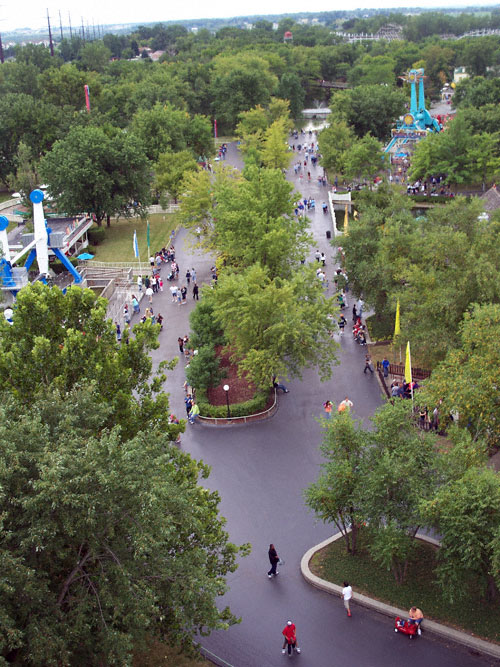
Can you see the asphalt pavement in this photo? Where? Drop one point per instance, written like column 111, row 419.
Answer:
column 260, row 472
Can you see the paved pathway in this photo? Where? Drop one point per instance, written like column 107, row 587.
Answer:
column 260, row 471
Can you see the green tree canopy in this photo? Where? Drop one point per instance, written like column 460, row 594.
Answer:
column 105, row 541
column 100, row 174
column 63, row 341
column 171, row 169
column 368, row 109
column 275, row 326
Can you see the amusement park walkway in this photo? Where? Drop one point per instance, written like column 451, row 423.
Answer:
column 260, row 471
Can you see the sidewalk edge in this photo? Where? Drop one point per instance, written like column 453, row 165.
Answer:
column 442, row 631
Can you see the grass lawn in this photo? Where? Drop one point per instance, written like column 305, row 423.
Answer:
column 118, row 244
column 475, row 615
column 163, row 655
column 5, row 196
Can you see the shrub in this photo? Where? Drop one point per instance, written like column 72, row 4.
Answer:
column 204, row 369
column 205, row 331
column 96, row 235
column 256, row 404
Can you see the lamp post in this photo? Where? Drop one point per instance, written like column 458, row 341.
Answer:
column 226, row 389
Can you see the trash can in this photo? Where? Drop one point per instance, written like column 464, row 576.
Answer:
column 328, row 234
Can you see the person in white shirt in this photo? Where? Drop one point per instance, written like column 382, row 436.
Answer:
column 347, row 595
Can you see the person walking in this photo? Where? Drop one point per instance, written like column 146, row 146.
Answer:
column 139, row 283
column 194, row 414
column 342, row 323
column 195, row 292
column 126, row 313
column 193, row 275
column 317, row 255
column 386, row 365
column 118, row 333
column 368, row 364
column 328, row 405
column 290, row 641
column 184, row 294
column 354, row 313
column 188, row 276
column 135, row 304
column 149, row 294
column 323, row 258
column 347, row 595
column 180, row 342
column 274, row 560
column 346, row 404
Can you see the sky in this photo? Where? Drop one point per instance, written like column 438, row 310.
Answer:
column 32, row 13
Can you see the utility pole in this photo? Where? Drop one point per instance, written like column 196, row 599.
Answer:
column 60, row 25
column 2, row 59
column 93, row 26
column 83, row 30
column 70, row 28
column 51, row 43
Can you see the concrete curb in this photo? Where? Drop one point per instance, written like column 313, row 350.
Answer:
column 438, row 629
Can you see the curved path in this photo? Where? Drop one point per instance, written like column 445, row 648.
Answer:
column 260, row 471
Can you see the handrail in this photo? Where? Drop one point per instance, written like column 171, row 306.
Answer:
column 226, row 421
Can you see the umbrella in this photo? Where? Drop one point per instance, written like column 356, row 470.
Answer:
column 85, row 255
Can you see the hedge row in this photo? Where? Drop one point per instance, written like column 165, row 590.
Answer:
column 256, row 404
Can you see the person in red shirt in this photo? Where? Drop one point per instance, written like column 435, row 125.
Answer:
column 290, row 634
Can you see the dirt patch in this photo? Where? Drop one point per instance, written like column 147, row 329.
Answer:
column 240, row 389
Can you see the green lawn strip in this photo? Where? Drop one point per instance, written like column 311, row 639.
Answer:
column 5, row 196
column 118, row 244
column 366, row 577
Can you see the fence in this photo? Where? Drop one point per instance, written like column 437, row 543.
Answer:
column 226, row 421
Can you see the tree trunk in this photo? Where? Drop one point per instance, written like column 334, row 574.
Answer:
column 108, row 221
column 491, row 589
column 354, row 536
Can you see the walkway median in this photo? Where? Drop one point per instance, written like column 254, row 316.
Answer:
column 442, row 631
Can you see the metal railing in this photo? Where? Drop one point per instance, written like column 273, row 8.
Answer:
column 258, row 416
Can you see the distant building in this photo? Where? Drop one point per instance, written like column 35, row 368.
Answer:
column 156, row 55
column 288, row 37
column 459, row 74
column 491, row 199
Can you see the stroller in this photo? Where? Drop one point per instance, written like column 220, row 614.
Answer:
column 407, row 628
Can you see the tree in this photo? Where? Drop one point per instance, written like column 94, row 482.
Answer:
column 106, row 541
column 64, row 341
column 370, row 70
column 64, row 86
column 290, row 88
column 463, row 382
column 239, row 83
column 335, row 142
column 369, row 108
column 364, row 159
column 94, row 56
column 398, row 470
column 170, row 171
column 255, row 222
column 275, row 327
column 100, row 174
column 26, row 179
column 334, row 497
column 275, row 151
column 465, row 555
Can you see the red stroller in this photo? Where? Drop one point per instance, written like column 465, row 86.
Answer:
column 405, row 627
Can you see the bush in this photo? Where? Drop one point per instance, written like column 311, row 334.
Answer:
column 256, row 404
column 96, row 235
column 204, row 369
column 204, row 329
